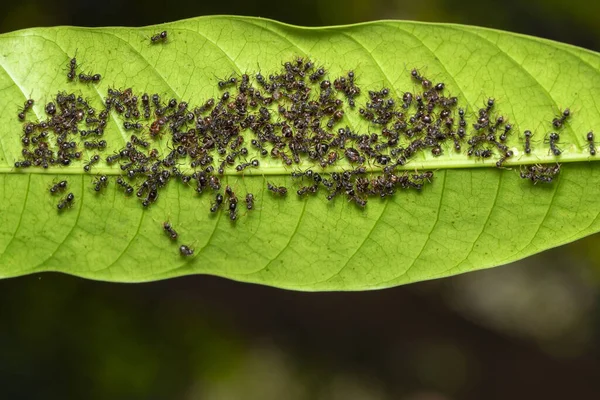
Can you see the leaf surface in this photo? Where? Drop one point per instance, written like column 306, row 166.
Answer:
column 469, row 218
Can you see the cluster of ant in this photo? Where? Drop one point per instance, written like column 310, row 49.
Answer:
column 292, row 116
column 540, row 173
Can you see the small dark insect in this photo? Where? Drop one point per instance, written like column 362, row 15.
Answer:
column 89, row 78
column 553, row 139
column 528, row 135
column 426, row 83
column 217, row 204
column 100, row 183
column 132, row 125
column 88, row 167
column 170, row 231
column 72, row 69
column 353, row 155
column 308, row 189
column 227, row 82
column 318, row 74
column 128, row 188
column 186, row 251
column 489, row 105
column 507, row 129
column 101, row 144
column 558, row 122
column 249, row 201
column 28, row 104
column 280, row 190
column 242, row 166
column 159, row 37
column 58, row 187
column 590, row 139
column 502, row 160
column 407, row 99
column 50, row 108
column 436, row 151
column 66, row 202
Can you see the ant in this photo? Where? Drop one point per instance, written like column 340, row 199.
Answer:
column 66, row 202
column 280, row 190
column 100, row 183
column 590, row 139
column 553, row 139
column 308, row 189
column 186, row 251
column 170, row 231
column 528, row 135
column 507, row 129
column 100, row 145
column 72, row 69
column 159, row 37
column 88, row 167
column 128, row 188
column 217, row 204
column 233, row 201
column 28, row 104
column 242, row 166
column 89, row 78
column 417, row 76
column 58, row 187
column 506, row 156
column 249, row 201
column 559, row 121
column 227, row 82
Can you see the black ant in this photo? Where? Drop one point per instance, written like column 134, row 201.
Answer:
column 217, row 204
column 170, row 231
column 280, row 190
column 233, row 201
column 88, row 167
column 128, row 188
column 186, row 251
column 417, row 76
column 507, row 129
column 28, row 104
column 308, row 189
column 66, row 202
column 318, row 74
column 159, row 37
column 89, row 78
column 242, row 166
column 489, row 105
column 559, row 121
column 503, row 159
column 528, row 135
column 131, row 125
column 100, row 183
column 58, row 187
column 249, row 201
column 227, row 82
column 72, row 69
column 590, row 139
column 553, row 139
column 100, row 145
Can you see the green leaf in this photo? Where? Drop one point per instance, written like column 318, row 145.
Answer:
column 467, row 219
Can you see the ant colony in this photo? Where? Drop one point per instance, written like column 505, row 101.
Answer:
column 295, row 115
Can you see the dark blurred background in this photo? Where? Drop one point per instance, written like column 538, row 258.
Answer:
column 524, row 331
